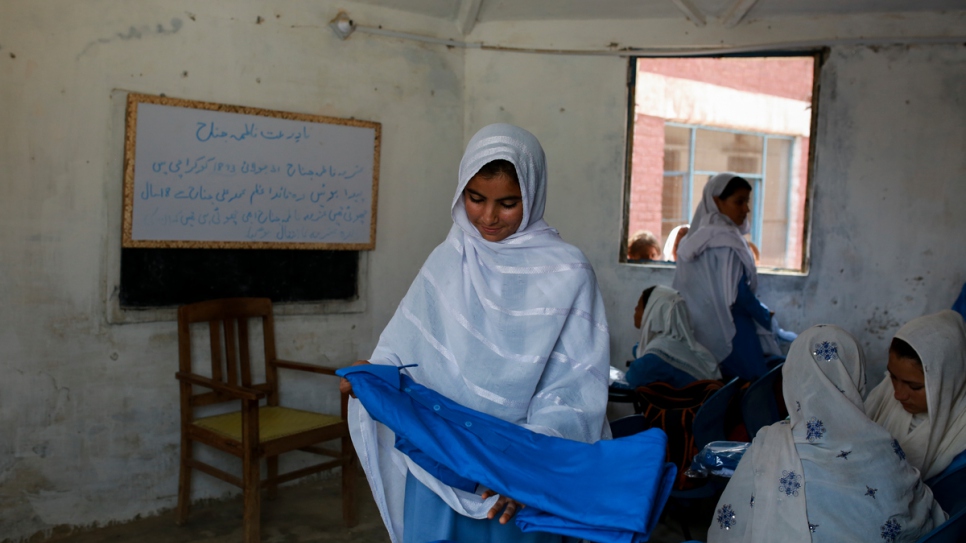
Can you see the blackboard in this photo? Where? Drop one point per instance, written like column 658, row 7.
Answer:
column 205, row 175
column 167, row 277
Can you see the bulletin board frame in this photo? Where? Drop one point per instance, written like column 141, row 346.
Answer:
column 130, row 160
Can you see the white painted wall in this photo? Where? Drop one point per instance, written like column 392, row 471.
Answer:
column 88, row 412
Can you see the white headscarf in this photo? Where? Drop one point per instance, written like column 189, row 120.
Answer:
column 940, row 341
column 830, row 474
column 515, row 329
column 708, row 280
column 666, row 331
column 669, row 243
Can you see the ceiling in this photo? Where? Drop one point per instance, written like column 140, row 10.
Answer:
column 737, row 10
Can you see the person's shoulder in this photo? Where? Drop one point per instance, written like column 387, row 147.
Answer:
column 551, row 247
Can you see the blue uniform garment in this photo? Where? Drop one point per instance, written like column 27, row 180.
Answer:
column 569, row 487
column 428, row 518
column 960, row 305
column 746, row 360
column 651, row 368
column 958, row 462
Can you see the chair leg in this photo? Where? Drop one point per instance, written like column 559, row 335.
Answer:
column 184, row 483
column 251, row 476
column 348, row 483
column 272, row 463
column 252, row 499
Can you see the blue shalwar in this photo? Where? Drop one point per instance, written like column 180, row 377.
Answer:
column 746, row 360
column 570, row 488
column 651, row 368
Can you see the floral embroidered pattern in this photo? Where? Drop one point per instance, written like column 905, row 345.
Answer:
column 791, row 482
column 869, row 491
column 726, row 517
column 814, row 429
column 898, row 450
column 826, row 351
column 843, row 454
column 891, row 530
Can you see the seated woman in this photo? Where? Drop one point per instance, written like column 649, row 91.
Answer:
column 830, row 474
column 922, row 400
column 668, row 351
column 717, row 277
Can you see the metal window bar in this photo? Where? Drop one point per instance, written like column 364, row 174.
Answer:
column 757, row 180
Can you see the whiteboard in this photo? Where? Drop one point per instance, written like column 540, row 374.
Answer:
column 203, row 175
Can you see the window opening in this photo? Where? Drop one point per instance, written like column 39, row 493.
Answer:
column 696, row 117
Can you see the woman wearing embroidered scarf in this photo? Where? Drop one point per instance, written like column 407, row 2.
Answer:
column 668, row 350
column 830, row 474
column 717, row 277
column 930, row 381
column 504, row 318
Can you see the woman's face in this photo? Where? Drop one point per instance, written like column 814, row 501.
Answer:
column 909, row 383
column 735, row 207
column 494, row 206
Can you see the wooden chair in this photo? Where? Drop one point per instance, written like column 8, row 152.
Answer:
column 256, row 431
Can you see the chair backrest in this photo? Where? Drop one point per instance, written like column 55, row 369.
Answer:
column 629, row 425
column 948, row 489
column 951, row 531
column 759, row 406
column 709, row 421
column 228, row 333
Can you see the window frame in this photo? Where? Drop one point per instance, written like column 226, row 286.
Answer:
column 819, row 57
column 756, row 180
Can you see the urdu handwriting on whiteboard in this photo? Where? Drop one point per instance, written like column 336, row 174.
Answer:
column 224, row 177
column 207, row 132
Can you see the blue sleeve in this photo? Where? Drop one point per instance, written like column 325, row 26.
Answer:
column 960, row 305
column 747, row 302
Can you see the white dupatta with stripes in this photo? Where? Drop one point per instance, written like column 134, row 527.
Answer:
column 515, row 329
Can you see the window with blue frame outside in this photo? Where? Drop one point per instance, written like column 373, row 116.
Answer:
column 697, row 117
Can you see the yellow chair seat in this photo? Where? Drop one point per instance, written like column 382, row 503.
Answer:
column 273, row 423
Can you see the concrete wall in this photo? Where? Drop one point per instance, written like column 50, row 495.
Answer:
column 88, row 410
column 88, row 416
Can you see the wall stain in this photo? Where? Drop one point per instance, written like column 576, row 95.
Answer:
column 881, row 323
column 137, row 33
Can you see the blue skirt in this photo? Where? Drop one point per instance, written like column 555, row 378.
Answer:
column 427, row 518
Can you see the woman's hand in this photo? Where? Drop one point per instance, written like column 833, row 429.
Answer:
column 512, row 506
column 345, row 386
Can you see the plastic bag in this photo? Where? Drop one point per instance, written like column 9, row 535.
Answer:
column 717, row 458
column 617, row 379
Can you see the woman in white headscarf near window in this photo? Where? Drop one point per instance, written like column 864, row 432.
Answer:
column 830, row 473
column 922, row 399
column 670, row 252
column 717, row 277
column 668, row 351
column 505, row 318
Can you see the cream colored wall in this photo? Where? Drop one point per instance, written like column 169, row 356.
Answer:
column 88, row 409
column 88, row 413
